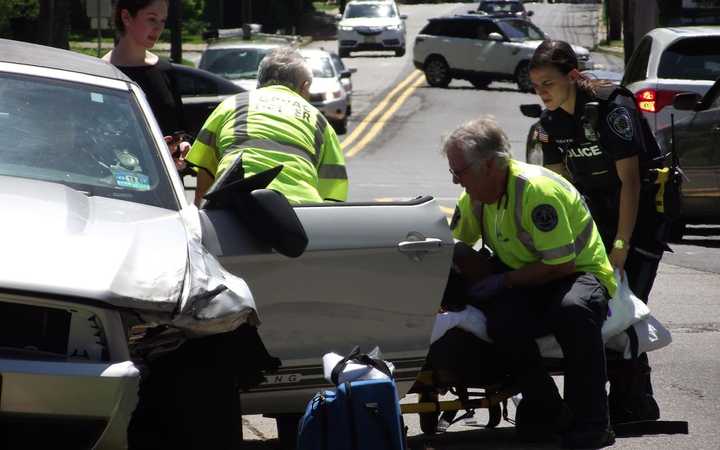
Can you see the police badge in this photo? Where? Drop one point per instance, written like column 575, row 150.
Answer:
column 620, row 123
column 590, row 133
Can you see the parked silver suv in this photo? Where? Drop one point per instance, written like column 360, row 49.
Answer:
column 668, row 61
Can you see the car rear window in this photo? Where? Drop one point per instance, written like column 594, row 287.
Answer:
column 691, row 59
column 499, row 7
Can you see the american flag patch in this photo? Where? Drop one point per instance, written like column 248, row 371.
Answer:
column 542, row 135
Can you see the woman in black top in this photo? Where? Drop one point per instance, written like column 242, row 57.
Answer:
column 602, row 160
column 140, row 23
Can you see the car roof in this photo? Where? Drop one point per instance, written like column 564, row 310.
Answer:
column 240, row 43
column 479, row 17
column 314, row 52
column 668, row 34
column 18, row 52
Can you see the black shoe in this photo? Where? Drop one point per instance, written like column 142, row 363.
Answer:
column 539, row 423
column 588, row 439
column 641, row 408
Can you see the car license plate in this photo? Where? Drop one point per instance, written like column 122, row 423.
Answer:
column 370, row 39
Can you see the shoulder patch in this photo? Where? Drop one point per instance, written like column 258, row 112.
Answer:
column 545, row 217
column 620, row 123
column 455, row 218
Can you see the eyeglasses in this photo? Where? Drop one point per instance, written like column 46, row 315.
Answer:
column 458, row 173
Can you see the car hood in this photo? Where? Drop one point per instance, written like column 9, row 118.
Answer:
column 322, row 85
column 249, row 84
column 579, row 51
column 58, row 241
column 370, row 22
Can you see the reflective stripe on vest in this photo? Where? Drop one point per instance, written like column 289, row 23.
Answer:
column 525, row 238
column 267, row 144
column 334, row 171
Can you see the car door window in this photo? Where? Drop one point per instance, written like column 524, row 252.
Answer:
column 483, row 30
column 464, row 29
column 194, row 86
column 691, row 59
column 637, row 67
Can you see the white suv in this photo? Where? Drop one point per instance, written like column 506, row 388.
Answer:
column 480, row 49
column 371, row 25
column 668, row 61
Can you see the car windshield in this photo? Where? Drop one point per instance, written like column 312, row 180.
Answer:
column 92, row 139
column 233, row 63
column 520, row 30
column 321, row 67
column 691, row 59
column 368, row 10
column 499, row 7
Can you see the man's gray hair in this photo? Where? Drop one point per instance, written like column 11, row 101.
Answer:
column 283, row 66
column 479, row 140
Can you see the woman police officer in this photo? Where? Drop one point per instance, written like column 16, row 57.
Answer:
column 601, row 156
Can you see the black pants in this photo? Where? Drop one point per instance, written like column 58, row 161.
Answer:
column 573, row 309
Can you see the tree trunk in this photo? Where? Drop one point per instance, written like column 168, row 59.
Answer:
column 175, row 25
column 614, row 14
column 628, row 33
column 54, row 23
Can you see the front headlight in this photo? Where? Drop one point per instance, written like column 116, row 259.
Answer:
column 393, row 27
column 332, row 95
column 344, row 28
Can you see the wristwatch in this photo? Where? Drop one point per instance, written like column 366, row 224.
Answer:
column 619, row 244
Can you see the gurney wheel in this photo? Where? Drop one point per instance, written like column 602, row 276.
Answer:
column 428, row 421
column 495, row 413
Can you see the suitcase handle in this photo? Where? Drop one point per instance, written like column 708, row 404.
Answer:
column 362, row 358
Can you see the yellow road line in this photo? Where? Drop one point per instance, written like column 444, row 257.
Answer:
column 357, row 148
column 379, row 108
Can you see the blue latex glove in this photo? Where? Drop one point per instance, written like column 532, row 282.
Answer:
column 488, row 287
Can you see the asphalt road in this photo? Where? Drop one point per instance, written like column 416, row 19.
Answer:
column 400, row 158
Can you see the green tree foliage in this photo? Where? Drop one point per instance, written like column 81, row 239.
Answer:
column 14, row 14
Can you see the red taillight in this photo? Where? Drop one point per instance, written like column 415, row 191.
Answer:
column 650, row 100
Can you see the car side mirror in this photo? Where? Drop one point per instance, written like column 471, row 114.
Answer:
column 592, row 114
column 338, row 16
column 530, row 13
column 534, row 111
column 347, row 73
column 687, row 101
column 495, row 36
column 403, row 16
column 267, row 214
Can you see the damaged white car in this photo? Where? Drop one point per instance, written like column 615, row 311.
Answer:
column 99, row 243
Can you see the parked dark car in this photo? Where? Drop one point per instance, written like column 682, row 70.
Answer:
column 201, row 92
column 503, row 8
column 696, row 143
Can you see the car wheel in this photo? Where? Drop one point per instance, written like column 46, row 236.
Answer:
column 437, row 72
column 287, row 430
column 343, row 52
column 677, row 231
column 340, row 126
column 400, row 52
column 522, row 77
column 533, row 147
column 480, row 82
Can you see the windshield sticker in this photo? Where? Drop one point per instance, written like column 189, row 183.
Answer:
column 96, row 97
column 131, row 180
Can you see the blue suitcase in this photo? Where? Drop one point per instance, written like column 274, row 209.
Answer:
column 359, row 415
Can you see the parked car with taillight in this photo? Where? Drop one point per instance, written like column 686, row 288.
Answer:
column 668, row 61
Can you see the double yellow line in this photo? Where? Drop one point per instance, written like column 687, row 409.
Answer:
column 402, row 91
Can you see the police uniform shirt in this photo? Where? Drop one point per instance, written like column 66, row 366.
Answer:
column 589, row 155
column 541, row 217
column 275, row 126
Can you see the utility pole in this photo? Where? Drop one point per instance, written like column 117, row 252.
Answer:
column 175, row 25
column 246, row 11
column 614, row 19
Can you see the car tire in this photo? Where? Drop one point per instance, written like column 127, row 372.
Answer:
column 677, row 231
column 287, row 430
column 522, row 77
column 533, row 147
column 480, row 82
column 437, row 72
column 340, row 126
column 400, row 52
column 343, row 52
